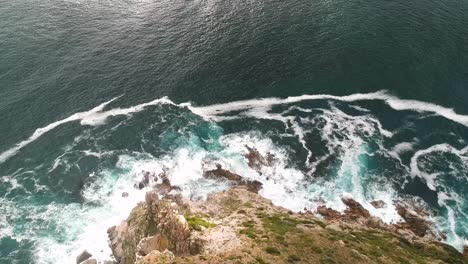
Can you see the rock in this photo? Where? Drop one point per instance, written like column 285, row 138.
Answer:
column 83, row 256
column 256, row 161
column 125, row 194
column 355, row 209
column 254, row 186
column 418, row 225
column 378, row 204
column 465, row 252
column 328, row 213
column 148, row 244
column 220, row 172
column 156, row 257
column 89, row 261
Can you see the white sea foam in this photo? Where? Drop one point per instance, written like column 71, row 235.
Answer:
column 393, row 101
column 94, row 117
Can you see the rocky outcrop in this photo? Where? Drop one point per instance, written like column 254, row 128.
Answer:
column 257, row 161
column 155, row 225
column 378, row 204
column 83, row 257
column 417, row 224
column 219, row 172
column 355, row 210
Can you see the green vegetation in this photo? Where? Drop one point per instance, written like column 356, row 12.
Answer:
column 196, row 222
column 272, row 250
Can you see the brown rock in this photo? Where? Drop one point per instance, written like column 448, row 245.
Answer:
column 157, row 257
column 418, row 225
column 83, row 256
column 148, row 244
column 222, row 173
column 465, row 252
column 328, row 213
column 355, row 209
column 254, row 186
column 256, row 161
column 379, row 204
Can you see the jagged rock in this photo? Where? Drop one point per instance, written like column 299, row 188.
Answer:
column 378, row 204
column 253, row 186
column 220, row 172
column 83, row 256
column 256, row 161
column 355, row 209
column 418, row 225
column 89, row 261
column 328, row 213
column 157, row 257
column 148, row 244
column 170, row 223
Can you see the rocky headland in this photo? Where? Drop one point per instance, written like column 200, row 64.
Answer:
column 240, row 226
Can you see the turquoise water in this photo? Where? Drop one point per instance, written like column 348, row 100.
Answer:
column 360, row 98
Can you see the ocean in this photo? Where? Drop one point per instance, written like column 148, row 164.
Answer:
column 353, row 98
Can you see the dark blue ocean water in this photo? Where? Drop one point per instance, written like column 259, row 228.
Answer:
column 386, row 118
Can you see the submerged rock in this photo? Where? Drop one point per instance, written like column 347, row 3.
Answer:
column 378, row 204
column 83, row 256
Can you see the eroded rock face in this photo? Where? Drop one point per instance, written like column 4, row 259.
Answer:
column 328, row 213
column 156, row 257
column 355, row 210
column 155, row 225
column 417, row 224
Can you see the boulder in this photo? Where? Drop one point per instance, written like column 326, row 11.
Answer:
column 256, row 160
column 89, row 261
column 148, row 244
column 157, row 257
column 355, row 209
column 125, row 194
column 418, row 225
column 328, row 213
column 83, row 256
column 465, row 252
column 378, row 204
column 222, row 173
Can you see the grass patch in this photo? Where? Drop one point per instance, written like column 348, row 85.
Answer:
column 196, row 222
column 272, row 251
column 293, row 258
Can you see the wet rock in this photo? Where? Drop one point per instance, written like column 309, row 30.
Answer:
column 219, row 172
column 355, row 209
column 83, row 256
column 89, row 261
column 418, row 225
column 328, row 213
column 254, row 186
column 125, row 194
column 256, row 160
column 465, row 252
column 378, row 204
column 222, row 173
